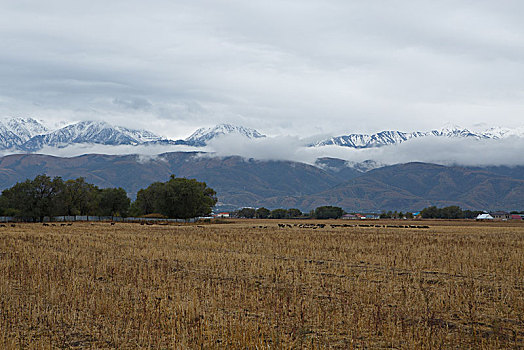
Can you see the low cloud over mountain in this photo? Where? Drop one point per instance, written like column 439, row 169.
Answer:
column 449, row 145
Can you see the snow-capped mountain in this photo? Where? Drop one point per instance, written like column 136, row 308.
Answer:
column 29, row 135
column 385, row 138
column 90, row 132
column 203, row 135
column 16, row 131
column 365, row 141
column 499, row 132
column 25, row 128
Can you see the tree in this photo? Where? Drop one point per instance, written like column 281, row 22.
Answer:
column 247, row 213
column 148, row 201
column 430, row 212
column 179, row 198
column 451, row 212
column 262, row 213
column 113, row 202
column 187, row 198
column 328, row 212
column 79, row 197
column 279, row 214
column 35, row 198
column 294, row 213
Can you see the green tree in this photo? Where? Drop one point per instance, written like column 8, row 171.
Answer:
column 79, row 197
column 262, row 213
column 430, row 212
column 113, row 202
column 35, row 198
column 279, row 214
column 187, row 198
column 294, row 213
column 328, row 212
column 247, row 213
column 177, row 198
column 451, row 212
column 149, row 200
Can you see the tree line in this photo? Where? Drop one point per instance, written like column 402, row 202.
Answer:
column 451, row 212
column 332, row 212
column 44, row 196
column 323, row 212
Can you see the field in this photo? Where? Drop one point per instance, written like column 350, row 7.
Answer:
column 253, row 285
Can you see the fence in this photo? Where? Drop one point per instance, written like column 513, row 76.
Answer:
column 90, row 218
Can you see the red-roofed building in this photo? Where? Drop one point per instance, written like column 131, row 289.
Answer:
column 516, row 217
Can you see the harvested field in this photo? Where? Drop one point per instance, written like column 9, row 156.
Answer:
column 253, row 284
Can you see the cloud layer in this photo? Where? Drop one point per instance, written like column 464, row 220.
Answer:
column 288, row 67
column 439, row 150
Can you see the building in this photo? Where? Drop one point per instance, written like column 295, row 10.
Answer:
column 484, row 217
column 350, row 217
column 500, row 215
column 516, row 217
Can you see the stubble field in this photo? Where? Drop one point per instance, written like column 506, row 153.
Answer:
column 250, row 284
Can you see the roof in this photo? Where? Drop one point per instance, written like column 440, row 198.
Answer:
column 516, row 217
column 484, row 217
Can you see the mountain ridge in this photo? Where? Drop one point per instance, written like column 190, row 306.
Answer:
column 391, row 137
column 243, row 182
column 30, row 135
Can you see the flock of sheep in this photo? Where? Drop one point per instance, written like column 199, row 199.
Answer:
column 316, row 226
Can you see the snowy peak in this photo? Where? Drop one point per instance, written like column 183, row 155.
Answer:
column 90, row 132
column 25, row 128
column 15, row 131
column 382, row 138
column 500, row 132
column 385, row 138
column 451, row 130
column 29, row 135
column 203, row 135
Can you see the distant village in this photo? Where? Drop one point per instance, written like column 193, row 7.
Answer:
column 484, row 216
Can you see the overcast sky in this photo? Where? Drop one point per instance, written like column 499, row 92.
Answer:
column 299, row 67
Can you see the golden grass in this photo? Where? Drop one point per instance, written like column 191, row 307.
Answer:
column 236, row 286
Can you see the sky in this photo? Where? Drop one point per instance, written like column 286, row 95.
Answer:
column 289, row 67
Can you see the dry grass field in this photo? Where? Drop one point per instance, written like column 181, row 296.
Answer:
column 253, row 285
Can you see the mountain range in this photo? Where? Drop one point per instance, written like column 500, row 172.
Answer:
column 385, row 138
column 243, row 182
column 30, row 135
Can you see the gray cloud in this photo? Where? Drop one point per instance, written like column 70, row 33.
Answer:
column 300, row 67
column 133, row 103
column 143, row 152
column 439, row 150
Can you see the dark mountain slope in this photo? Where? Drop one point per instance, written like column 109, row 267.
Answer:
column 237, row 181
column 240, row 182
column 413, row 186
